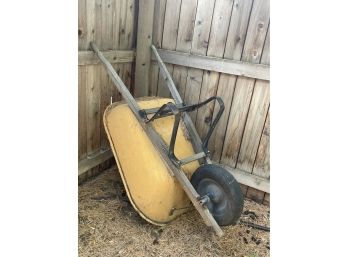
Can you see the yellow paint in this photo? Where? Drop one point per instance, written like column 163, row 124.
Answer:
column 150, row 187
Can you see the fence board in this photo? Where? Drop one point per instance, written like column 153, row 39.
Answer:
column 90, row 20
column 170, row 33
column 254, row 42
column 82, row 119
column 204, row 17
column 250, row 146
column 208, row 63
column 145, row 26
column 116, row 25
column 93, row 111
column 106, row 44
column 256, row 119
column 216, row 47
column 113, row 56
column 158, row 23
column 248, row 179
column 236, row 36
column 92, row 88
column 126, row 42
column 82, row 25
column 184, row 41
column 261, row 166
column 90, row 80
column 100, row 21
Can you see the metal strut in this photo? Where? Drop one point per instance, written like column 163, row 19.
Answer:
column 176, row 110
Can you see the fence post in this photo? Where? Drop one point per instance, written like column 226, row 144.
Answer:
column 144, row 41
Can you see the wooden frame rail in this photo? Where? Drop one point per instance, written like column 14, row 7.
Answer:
column 248, row 179
column 113, row 56
column 258, row 71
column 242, row 177
column 91, row 162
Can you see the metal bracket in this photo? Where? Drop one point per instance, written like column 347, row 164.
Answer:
column 176, row 110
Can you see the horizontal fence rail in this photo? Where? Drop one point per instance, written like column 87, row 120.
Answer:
column 233, row 67
column 113, row 56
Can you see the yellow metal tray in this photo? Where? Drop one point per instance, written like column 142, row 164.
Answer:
column 154, row 193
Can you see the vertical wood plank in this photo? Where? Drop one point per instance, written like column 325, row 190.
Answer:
column 90, row 22
column 144, row 40
column 116, row 14
column 93, row 111
column 82, row 25
column 82, row 121
column 233, row 50
column 83, row 37
column 193, row 88
column 261, row 166
column 256, row 118
column 244, row 86
column 105, row 86
column 216, row 47
column 204, row 16
column 184, row 41
column 116, row 25
column 254, row 125
column 123, row 20
column 90, row 81
column 158, row 23
column 96, row 88
column 130, row 23
column 130, row 17
column 103, row 22
column 93, row 91
column 170, row 33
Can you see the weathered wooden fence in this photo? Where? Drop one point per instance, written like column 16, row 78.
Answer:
column 110, row 23
column 211, row 47
column 235, row 35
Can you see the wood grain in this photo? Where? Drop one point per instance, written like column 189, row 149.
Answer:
column 144, row 41
column 228, row 66
column 262, row 161
column 106, row 44
column 202, row 28
column 225, row 89
column 216, row 48
column 101, row 21
column 256, row 118
column 243, row 92
column 158, row 24
column 82, row 119
column 184, row 41
column 82, row 25
column 170, row 33
column 113, row 56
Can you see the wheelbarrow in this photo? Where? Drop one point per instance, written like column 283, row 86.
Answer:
column 163, row 163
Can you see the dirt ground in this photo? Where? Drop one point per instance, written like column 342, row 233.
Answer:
column 109, row 226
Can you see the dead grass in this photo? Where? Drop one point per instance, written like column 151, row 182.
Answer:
column 108, row 226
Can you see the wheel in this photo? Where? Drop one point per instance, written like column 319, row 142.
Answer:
column 225, row 196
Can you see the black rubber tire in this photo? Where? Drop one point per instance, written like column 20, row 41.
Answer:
column 226, row 198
